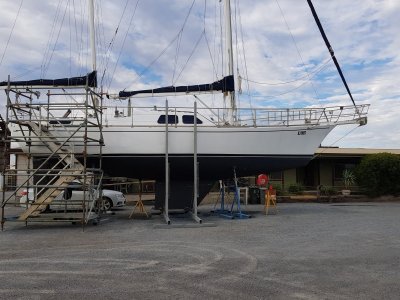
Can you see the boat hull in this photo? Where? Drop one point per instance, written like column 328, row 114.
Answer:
column 211, row 167
column 140, row 152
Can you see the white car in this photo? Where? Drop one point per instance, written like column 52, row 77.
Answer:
column 111, row 198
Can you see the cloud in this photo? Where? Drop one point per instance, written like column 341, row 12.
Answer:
column 152, row 50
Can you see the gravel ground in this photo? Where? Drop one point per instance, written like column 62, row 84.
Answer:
column 305, row 251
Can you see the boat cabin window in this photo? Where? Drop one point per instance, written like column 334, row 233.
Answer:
column 172, row 119
column 189, row 119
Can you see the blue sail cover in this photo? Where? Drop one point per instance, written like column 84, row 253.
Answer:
column 226, row 84
column 64, row 82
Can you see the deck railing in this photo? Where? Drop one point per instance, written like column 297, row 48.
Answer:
column 122, row 115
column 251, row 117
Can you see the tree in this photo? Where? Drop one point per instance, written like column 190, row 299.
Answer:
column 379, row 174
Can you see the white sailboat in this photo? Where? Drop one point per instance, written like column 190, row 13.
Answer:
column 156, row 142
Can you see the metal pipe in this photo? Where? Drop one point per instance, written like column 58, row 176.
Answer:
column 195, row 167
column 166, row 216
column 92, row 34
column 195, row 159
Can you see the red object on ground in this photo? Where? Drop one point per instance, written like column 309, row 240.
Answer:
column 262, row 180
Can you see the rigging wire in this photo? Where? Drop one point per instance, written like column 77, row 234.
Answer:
column 237, row 51
column 70, row 40
column 138, row 76
column 123, row 43
column 245, row 60
column 222, row 47
column 211, row 57
column 102, row 42
column 203, row 34
column 297, row 48
column 25, row 73
column 48, row 45
column 288, row 91
column 154, row 60
column 209, row 52
column 83, row 33
column 217, row 36
column 11, row 32
column 99, row 36
column 178, row 43
column 339, row 139
column 190, row 56
column 56, row 41
column 78, row 41
column 214, row 71
column 214, row 52
column 111, row 44
column 313, row 73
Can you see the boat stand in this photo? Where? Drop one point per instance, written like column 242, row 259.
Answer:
column 232, row 213
column 222, row 211
column 139, row 205
column 165, row 211
column 270, row 201
column 193, row 212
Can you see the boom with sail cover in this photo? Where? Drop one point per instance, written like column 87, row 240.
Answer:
column 226, row 84
column 90, row 79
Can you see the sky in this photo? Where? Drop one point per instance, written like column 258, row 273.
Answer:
column 278, row 51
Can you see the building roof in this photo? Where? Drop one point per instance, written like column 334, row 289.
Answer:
column 343, row 152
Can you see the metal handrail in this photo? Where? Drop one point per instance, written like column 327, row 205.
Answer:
column 247, row 117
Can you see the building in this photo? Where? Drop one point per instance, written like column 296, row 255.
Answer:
column 326, row 168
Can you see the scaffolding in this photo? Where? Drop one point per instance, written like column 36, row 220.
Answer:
column 62, row 138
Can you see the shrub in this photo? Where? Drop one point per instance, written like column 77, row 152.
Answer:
column 379, row 174
column 295, row 188
column 327, row 191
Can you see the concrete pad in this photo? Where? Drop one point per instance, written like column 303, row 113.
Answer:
column 306, row 251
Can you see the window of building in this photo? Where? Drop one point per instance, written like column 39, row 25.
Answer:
column 276, row 176
column 339, row 169
column 189, row 119
column 172, row 119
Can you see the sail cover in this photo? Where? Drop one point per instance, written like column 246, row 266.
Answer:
column 64, row 82
column 226, row 84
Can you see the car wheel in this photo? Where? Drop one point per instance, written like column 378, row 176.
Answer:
column 106, row 204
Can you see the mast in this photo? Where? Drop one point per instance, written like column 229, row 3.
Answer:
column 229, row 96
column 92, row 34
